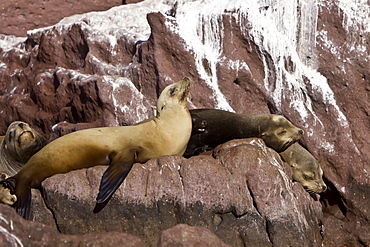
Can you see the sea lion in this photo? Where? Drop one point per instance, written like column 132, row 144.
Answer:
column 222, row 126
column 306, row 169
column 17, row 146
column 119, row 147
column 5, row 195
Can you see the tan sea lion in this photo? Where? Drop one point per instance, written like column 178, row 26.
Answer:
column 5, row 195
column 119, row 147
column 221, row 126
column 17, row 146
column 306, row 169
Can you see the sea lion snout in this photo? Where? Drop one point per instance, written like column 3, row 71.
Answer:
column 319, row 188
column 184, row 88
column 323, row 188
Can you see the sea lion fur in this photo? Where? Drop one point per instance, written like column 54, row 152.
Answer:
column 306, row 169
column 17, row 146
column 6, row 196
column 221, row 126
column 119, row 147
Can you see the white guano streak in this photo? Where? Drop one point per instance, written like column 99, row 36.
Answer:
column 200, row 25
column 10, row 237
column 285, row 30
column 137, row 98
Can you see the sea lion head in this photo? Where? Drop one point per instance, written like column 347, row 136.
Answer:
column 280, row 133
column 174, row 94
column 21, row 141
column 309, row 174
column 7, row 195
column 199, row 124
column 305, row 167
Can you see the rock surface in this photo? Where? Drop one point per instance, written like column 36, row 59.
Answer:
column 15, row 231
column 230, row 194
column 307, row 61
column 17, row 17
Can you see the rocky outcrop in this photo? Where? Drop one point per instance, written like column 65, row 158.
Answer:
column 229, row 193
column 18, row 17
column 15, row 231
column 184, row 235
column 307, row 61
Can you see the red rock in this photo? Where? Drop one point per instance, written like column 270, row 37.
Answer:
column 230, row 194
column 15, row 231
column 184, row 235
column 71, row 77
column 18, row 16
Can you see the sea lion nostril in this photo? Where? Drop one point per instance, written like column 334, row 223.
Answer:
column 300, row 131
column 21, row 125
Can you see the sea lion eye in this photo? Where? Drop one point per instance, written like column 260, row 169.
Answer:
column 282, row 132
column 173, row 90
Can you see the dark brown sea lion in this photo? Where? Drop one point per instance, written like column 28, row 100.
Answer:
column 17, row 146
column 306, row 169
column 222, row 126
column 119, row 147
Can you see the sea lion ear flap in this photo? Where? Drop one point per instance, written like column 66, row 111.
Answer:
column 293, row 165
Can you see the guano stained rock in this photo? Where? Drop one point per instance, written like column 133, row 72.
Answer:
column 307, row 61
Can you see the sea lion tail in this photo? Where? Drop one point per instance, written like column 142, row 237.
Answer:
column 23, row 193
column 112, row 179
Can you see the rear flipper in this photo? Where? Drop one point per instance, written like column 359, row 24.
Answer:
column 112, row 179
column 23, row 196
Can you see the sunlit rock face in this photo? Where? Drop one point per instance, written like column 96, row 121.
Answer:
column 306, row 60
column 17, row 17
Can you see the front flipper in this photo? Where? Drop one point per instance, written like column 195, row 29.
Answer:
column 23, row 204
column 112, row 179
column 23, row 194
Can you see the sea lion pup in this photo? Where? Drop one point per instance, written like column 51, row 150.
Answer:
column 306, row 169
column 17, row 146
column 119, row 147
column 222, row 126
